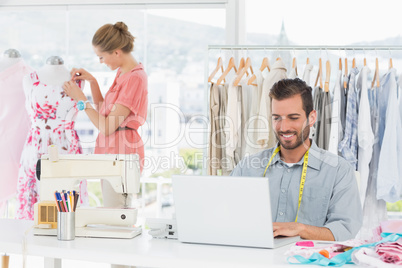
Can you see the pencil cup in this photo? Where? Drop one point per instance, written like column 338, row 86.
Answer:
column 66, row 225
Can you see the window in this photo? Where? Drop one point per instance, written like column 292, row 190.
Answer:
column 169, row 42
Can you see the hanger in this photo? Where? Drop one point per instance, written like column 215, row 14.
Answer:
column 308, row 59
column 345, row 84
column 354, row 63
column 264, row 64
column 241, row 65
column 390, row 63
column 340, row 64
column 327, row 76
column 231, row 65
column 294, row 64
column 242, row 71
column 319, row 75
column 376, row 78
column 219, row 65
column 364, row 59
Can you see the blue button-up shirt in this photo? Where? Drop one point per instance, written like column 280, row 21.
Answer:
column 330, row 197
column 349, row 145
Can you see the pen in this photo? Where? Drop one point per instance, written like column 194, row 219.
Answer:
column 76, row 200
column 66, row 198
column 64, row 202
column 71, row 197
column 57, row 202
column 60, row 201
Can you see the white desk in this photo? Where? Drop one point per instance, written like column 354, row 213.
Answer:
column 140, row 251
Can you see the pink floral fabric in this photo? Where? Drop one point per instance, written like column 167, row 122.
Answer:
column 52, row 115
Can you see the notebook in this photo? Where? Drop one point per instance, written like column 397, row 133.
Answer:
column 224, row 210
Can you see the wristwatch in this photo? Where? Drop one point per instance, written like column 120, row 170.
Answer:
column 81, row 105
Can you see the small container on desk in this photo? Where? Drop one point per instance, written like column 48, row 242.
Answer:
column 66, row 225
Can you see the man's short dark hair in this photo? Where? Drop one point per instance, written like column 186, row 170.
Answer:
column 286, row 88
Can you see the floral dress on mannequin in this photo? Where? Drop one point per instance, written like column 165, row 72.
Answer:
column 52, row 115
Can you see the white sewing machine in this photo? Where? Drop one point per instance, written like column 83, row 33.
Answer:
column 65, row 172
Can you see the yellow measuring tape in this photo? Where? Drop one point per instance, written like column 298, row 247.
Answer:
column 303, row 176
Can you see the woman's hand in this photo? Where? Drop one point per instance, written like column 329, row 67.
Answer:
column 81, row 74
column 73, row 91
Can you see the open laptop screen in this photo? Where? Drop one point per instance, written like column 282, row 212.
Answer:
column 223, row 210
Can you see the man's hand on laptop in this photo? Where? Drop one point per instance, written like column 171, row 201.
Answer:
column 287, row 228
column 303, row 230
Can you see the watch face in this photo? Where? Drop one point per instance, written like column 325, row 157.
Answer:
column 80, row 105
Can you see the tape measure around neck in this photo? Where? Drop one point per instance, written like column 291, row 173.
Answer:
column 302, row 179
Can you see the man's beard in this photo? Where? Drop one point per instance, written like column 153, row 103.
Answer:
column 300, row 138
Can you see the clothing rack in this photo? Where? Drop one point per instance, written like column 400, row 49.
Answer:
column 271, row 48
column 257, row 47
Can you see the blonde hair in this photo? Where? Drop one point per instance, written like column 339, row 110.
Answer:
column 110, row 37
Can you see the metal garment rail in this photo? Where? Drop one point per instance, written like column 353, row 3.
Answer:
column 272, row 48
column 257, row 47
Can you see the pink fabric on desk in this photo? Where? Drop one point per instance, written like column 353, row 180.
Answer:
column 131, row 91
column 14, row 126
column 390, row 252
column 306, row 252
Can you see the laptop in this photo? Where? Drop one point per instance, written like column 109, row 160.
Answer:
column 225, row 210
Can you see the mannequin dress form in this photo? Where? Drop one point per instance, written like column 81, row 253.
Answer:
column 52, row 115
column 14, row 122
column 10, row 57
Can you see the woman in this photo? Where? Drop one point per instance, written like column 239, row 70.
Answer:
column 124, row 108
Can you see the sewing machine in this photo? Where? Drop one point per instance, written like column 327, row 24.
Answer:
column 65, row 172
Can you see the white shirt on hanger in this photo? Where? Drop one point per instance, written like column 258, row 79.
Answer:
column 247, row 92
column 233, row 124
column 364, row 133
column 389, row 184
column 336, row 125
column 399, row 96
column 266, row 137
column 251, row 129
column 293, row 73
column 307, row 73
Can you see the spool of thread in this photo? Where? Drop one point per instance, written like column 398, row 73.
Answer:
column 53, row 153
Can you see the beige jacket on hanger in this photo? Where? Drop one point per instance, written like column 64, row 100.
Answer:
column 266, row 137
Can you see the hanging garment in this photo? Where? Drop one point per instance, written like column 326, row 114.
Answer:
column 266, row 137
column 364, row 133
column 344, row 99
column 52, row 115
column 348, row 146
column 14, row 126
column 374, row 211
column 247, row 101
column 233, row 129
column 389, row 184
column 400, row 96
column 307, row 73
column 223, row 101
column 324, row 130
column 336, row 134
column 252, row 145
column 215, row 155
column 293, row 73
column 317, row 102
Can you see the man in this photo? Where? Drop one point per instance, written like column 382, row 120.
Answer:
column 314, row 193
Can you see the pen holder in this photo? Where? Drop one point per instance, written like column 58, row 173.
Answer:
column 66, row 225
